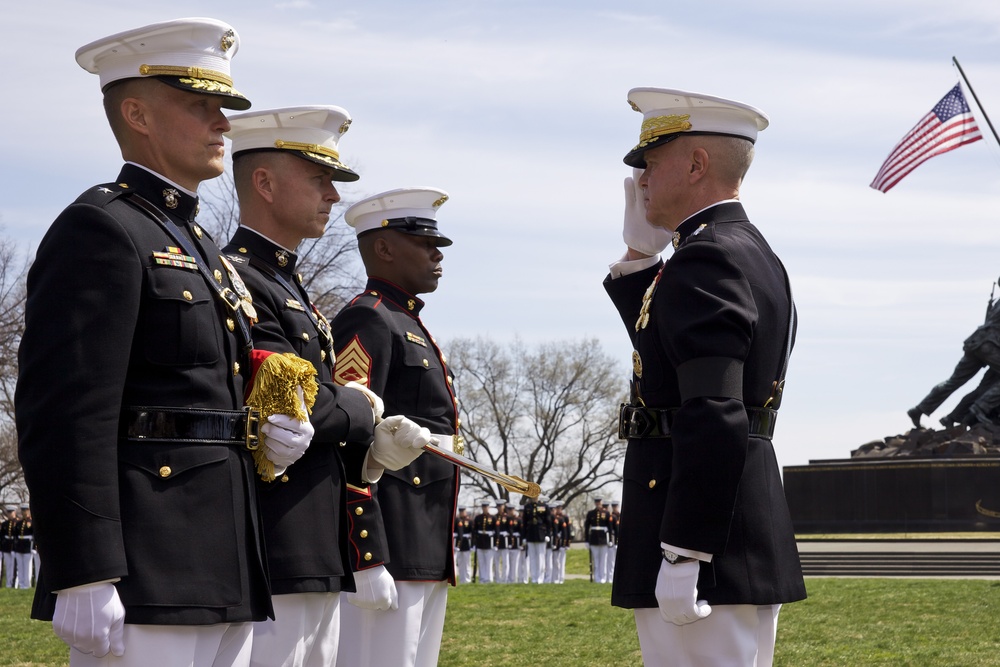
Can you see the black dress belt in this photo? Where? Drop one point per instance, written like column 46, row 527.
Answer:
column 635, row 421
column 217, row 427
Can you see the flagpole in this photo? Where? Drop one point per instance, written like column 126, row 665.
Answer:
column 976, row 98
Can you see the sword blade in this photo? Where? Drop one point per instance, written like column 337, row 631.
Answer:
column 509, row 482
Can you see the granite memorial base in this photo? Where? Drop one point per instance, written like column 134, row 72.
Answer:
column 895, row 495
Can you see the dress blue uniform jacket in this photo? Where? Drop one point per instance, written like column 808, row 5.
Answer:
column 108, row 327
column 382, row 343
column 305, row 510
column 713, row 344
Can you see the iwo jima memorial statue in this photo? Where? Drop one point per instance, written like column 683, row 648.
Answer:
column 924, row 480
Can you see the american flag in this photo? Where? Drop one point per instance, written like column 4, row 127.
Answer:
column 949, row 124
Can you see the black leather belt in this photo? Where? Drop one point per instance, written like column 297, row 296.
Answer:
column 221, row 427
column 635, row 421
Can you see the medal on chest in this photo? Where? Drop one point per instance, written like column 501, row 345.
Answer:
column 647, row 301
column 246, row 299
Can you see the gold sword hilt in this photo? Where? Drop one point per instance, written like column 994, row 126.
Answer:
column 509, row 482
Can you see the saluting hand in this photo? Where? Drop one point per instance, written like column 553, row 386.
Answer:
column 638, row 234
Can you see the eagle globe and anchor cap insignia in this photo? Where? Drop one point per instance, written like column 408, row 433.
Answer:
column 227, row 41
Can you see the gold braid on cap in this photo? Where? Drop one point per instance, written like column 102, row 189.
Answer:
column 307, row 148
column 657, row 126
column 193, row 72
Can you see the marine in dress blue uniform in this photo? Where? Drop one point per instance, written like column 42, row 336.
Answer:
column 131, row 423
column 703, row 513
column 536, row 526
column 463, row 545
column 7, row 544
column 285, row 164
column 24, row 547
column 382, row 343
column 485, row 526
column 556, row 573
column 597, row 528
column 616, row 518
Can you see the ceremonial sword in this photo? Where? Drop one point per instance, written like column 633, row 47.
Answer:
column 509, row 482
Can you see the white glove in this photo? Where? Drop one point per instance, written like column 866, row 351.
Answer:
column 376, row 590
column 91, row 619
column 286, row 438
column 638, row 234
column 378, row 406
column 677, row 593
column 398, row 442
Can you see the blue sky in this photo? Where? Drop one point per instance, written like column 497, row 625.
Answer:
column 518, row 110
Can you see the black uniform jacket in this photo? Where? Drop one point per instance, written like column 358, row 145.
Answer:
column 536, row 520
column 560, row 532
column 305, row 510
column 23, row 536
column 714, row 343
column 463, row 534
column 7, row 536
column 114, row 319
column 601, row 521
column 382, row 343
column 485, row 527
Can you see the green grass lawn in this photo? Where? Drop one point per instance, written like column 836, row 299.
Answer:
column 897, row 622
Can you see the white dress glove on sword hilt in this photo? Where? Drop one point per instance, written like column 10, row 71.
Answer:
column 637, row 233
column 91, row 619
column 398, row 442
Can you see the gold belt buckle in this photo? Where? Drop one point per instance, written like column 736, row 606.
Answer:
column 253, row 428
column 231, row 298
column 458, row 444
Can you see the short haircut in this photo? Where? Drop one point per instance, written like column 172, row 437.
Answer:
column 732, row 155
column 117, row 93
column 246, row 163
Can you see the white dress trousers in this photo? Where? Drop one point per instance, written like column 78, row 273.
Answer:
column 222, row 645
column 731, row 636
column 406, row 637
column 536, row 562
column 305, row 632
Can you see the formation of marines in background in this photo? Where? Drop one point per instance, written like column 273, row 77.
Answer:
column 508, row 544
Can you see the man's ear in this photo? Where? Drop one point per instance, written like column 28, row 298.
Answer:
column 263, row 183
column 382, row 249
column 136, row 114
column 698, row 166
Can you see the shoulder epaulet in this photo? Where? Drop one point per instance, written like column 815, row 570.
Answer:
column 704, row 233
column 101, row 195
column 698, row 235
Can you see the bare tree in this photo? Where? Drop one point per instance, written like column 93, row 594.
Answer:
column 13, row 271
column 547, row 414
column 330, row 265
